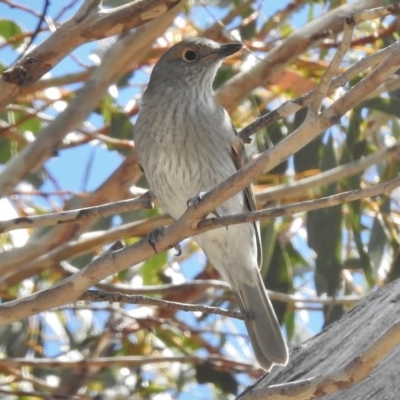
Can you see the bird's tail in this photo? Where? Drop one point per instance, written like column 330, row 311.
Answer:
column 263, row 328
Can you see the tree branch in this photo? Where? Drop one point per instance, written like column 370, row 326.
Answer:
column 268, row 70
column 115, row 60
column 206, row 284
column 333, row 67
column 264, row 195
column 116, row 186
column 302, row 186
column 90, row 23
column 139, row 203
column 97, row 295
column 129, row 361
column 329, row 201
column 72, row 288
column 90, row 242
column 291, row 107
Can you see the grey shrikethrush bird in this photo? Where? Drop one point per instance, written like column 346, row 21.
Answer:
column 186, row 145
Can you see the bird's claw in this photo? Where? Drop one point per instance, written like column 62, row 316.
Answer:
column 178, row 250
column 153, row 237
column 194, row 201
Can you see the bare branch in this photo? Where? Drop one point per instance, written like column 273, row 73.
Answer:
column 142, row 202
column 329, row 201
column 72, row 288
column 208, row 284
column 290, row 107
column 130, row 361
column 114, row 188
column 87, row 243
column 309, row 130
column 373, row 13
column 333, row 67
column 287, row 190
column 90, row 23
column 172, row 305
column 161, row 289
column 232, row 92
column 343, row 171
column 116, row 59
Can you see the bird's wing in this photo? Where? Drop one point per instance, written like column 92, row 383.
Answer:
column 239, row 157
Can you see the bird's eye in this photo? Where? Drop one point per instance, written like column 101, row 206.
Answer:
column 189, row 56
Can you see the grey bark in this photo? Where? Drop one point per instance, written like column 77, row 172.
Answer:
column 344, row 340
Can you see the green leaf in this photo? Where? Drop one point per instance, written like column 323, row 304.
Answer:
column 9, row 30
column 106, row 108
column 289, row 323
column 121, row 126
column 355, row 217
column 268, row 239
column 394, row 272
column 224, row 73
column 271, row 136
column 153, row 268
column 18, row 331
column 279, row 278
column 324, row 235
column 389, row 105
column 353, row 132
column 8, row 149
column 378, row 238
column 308, row 157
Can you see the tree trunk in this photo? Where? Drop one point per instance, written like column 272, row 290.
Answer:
column 341, row 342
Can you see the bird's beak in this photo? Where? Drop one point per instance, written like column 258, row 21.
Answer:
column 227, row 49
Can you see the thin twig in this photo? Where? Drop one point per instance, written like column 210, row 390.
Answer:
column 304, row 206
column 129, row 361
column 379, row 12
column 291, row 107
column 333, row 67
column 89, row 242
column 296, row 188
column 142, row 202
column 172, row 305
column 37, row 29
column 214, row 284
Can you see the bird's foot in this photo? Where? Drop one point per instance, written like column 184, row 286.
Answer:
column 194, row 201
column 153, row 237
column 178, row 250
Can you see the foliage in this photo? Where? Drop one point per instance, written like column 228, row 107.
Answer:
column 350, row 249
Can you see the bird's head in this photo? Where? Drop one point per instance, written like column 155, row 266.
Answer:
column 192, row 61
